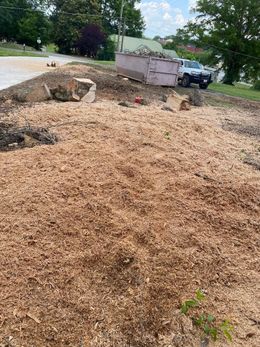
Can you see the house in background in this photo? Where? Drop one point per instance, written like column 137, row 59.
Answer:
column 191, row 48
column 131, row 44
column 164, row 41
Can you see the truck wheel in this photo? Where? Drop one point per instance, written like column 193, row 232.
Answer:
column 185, row 81
column 203, row 86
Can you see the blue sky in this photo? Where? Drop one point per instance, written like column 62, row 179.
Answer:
column 163, row 17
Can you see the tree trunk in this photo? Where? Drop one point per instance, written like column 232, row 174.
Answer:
column 232, row 70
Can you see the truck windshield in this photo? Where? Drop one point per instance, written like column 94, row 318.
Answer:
column 192, row 65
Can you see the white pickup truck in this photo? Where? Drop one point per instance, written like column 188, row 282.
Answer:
column 193, row 72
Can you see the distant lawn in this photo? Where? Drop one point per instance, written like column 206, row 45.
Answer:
column 104, row 62
column 12, row 53
column 12, row 45
column 239, row 90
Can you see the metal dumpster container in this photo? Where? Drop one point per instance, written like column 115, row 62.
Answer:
column 148, row 70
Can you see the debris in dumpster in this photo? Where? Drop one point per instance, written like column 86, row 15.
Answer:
column 146, row 51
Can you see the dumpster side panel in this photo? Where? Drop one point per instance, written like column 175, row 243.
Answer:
column 162, row 72
column 161, row 79
column 132, row 66
column 150, row 70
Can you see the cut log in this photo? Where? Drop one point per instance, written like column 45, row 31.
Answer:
column 86, row 89
column 75, row 90
column 36, row 94
column 178, row 102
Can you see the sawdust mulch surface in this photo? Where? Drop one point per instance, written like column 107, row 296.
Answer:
column 105, row 233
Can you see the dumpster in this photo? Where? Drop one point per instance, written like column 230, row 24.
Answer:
column 148, row 69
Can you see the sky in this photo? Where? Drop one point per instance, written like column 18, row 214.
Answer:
column 163, row 17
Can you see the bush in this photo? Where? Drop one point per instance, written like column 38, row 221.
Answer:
column 107, row 52
column 90, row 41
column 256, row 85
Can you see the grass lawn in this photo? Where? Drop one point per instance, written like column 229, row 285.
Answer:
column 12, row 53
column 239, row 90
column 51, row 48
column 104, row 62
column 12, row 45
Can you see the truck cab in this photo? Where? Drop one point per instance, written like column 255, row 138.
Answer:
column 193, row 72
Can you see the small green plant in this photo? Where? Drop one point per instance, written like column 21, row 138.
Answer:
column 199, row 296
column 207, row 322
column 227, row 328
column 167, row 135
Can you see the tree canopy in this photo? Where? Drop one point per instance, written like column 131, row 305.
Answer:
column 23, row 21
column 230, row 28
column 61, row 21
column 110, row 11
column 69, row 17
column 91, row 38
column 104, row 13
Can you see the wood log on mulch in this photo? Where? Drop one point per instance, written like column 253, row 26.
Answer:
column 12, row 137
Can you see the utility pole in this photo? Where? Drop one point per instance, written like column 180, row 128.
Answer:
column 120, row 24
column 123, row 36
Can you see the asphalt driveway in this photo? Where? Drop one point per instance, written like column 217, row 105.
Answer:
column 14, row 70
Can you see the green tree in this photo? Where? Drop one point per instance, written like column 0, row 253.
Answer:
column 9, row 18
column 231, row 29
column 67, row 25
column 32, row 26
column 132, row 17
column 156, row 37
column 107, row 52
column 178, row 44
column 105, row 13
column 110, row 10
column 22, row 21
column 91, row 40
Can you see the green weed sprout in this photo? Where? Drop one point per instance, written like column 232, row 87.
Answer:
column 207, row 322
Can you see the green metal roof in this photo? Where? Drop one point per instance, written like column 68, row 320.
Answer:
column 132, row 43
column 171, row 53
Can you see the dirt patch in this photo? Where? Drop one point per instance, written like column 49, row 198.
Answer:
column 217, row 99
column 113, row 87
column 249, row 126
column 253, row 160
column 109, row 85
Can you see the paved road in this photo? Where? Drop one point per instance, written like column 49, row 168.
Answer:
column 14, row 70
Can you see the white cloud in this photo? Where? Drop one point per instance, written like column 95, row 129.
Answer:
column 177, row 10
column 180, row 20
column 165, row 5
column 167, row 17
column 161, row 17
column 192, row 4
